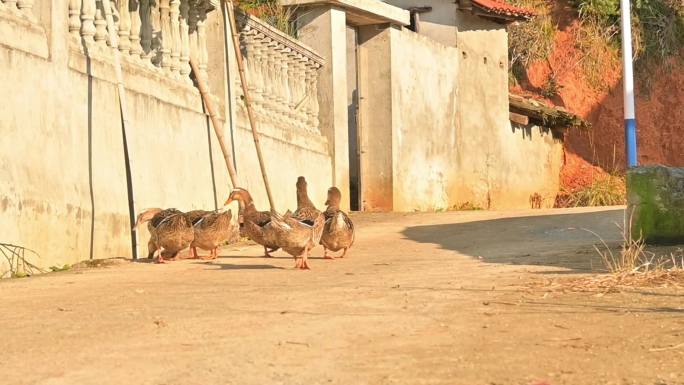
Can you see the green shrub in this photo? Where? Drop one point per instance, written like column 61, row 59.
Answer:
column 657, row 31
column 273, row 13
column 530, row 41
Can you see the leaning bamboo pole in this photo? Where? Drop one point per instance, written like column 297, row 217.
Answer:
column 126, row 125
column 247, row 98
column 218, row 128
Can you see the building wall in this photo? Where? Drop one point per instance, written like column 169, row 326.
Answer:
column 375, row 118
column 445, row 134
column 62, row 156
column 502, row 165
column 425, row 122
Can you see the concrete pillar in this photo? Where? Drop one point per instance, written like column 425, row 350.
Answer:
column 375, row 118
column 324, row 29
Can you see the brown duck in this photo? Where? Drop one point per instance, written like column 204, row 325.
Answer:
column 153, row 216
column 293, row 236
column 254, row 220
column 306, row 211
column 211, row 231
column 338, row 233
column 170, row 232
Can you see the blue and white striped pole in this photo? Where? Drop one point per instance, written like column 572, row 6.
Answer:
column 628, row 78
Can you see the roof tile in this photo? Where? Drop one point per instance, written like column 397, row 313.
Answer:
column 502, row 8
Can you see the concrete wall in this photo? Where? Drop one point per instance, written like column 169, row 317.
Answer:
column 324, row 29
column 64, row 190
column 501, row 165
column 375, row 118
column 443, row 140
column 425, row 122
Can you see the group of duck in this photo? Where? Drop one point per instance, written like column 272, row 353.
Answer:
column 296, row 233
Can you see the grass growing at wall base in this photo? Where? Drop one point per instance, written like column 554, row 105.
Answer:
column 608, row 190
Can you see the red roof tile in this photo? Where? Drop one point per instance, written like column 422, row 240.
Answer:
column 501, row 8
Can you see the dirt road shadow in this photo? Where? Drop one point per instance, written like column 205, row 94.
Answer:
column 550, row 240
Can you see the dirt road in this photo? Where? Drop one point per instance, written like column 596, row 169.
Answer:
column 421, row 299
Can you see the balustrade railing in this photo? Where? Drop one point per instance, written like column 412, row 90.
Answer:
column 19, row 7
column 281, row 74
column 158, row 33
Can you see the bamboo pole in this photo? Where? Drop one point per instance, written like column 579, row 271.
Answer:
column 114, row 41
column 247, row 98
column 218, row 128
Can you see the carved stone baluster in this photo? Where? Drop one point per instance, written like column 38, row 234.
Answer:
column 100, row 26
column 88, row 21
column 202, row 53
column 293, row 80
column 271, row 86
column 300, row 92
column 258, row 78
column 185, row 40
column 136, row 24
column 165, row 35
column 124, row 27
column 75, row 18
column 26, row 8
column 284, row 86
column 314, row 99
column 175, row 36
column 312, row 89
column 250, row 51
column 277, row 96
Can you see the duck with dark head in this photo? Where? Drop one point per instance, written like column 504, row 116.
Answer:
column 338, row 233
column 306, row 210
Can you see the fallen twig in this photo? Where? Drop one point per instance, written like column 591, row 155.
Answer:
column 667, row 348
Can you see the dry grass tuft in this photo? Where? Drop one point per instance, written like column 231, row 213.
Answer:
column 273, row 13
column 630, row 266
column 609, row 190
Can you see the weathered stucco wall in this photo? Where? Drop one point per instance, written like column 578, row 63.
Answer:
column 500, row 166
column 64, row 190
column 375, row 118
column 425, row 122
column 443, row 140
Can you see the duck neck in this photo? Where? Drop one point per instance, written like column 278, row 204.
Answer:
column 303, row 198
column 247, row 207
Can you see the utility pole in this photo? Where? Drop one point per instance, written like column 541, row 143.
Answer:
column 628, row 85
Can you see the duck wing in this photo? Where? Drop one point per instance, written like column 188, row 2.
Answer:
column 195, row 215
column 307, row 214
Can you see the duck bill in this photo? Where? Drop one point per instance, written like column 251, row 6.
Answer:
column 228, row 201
